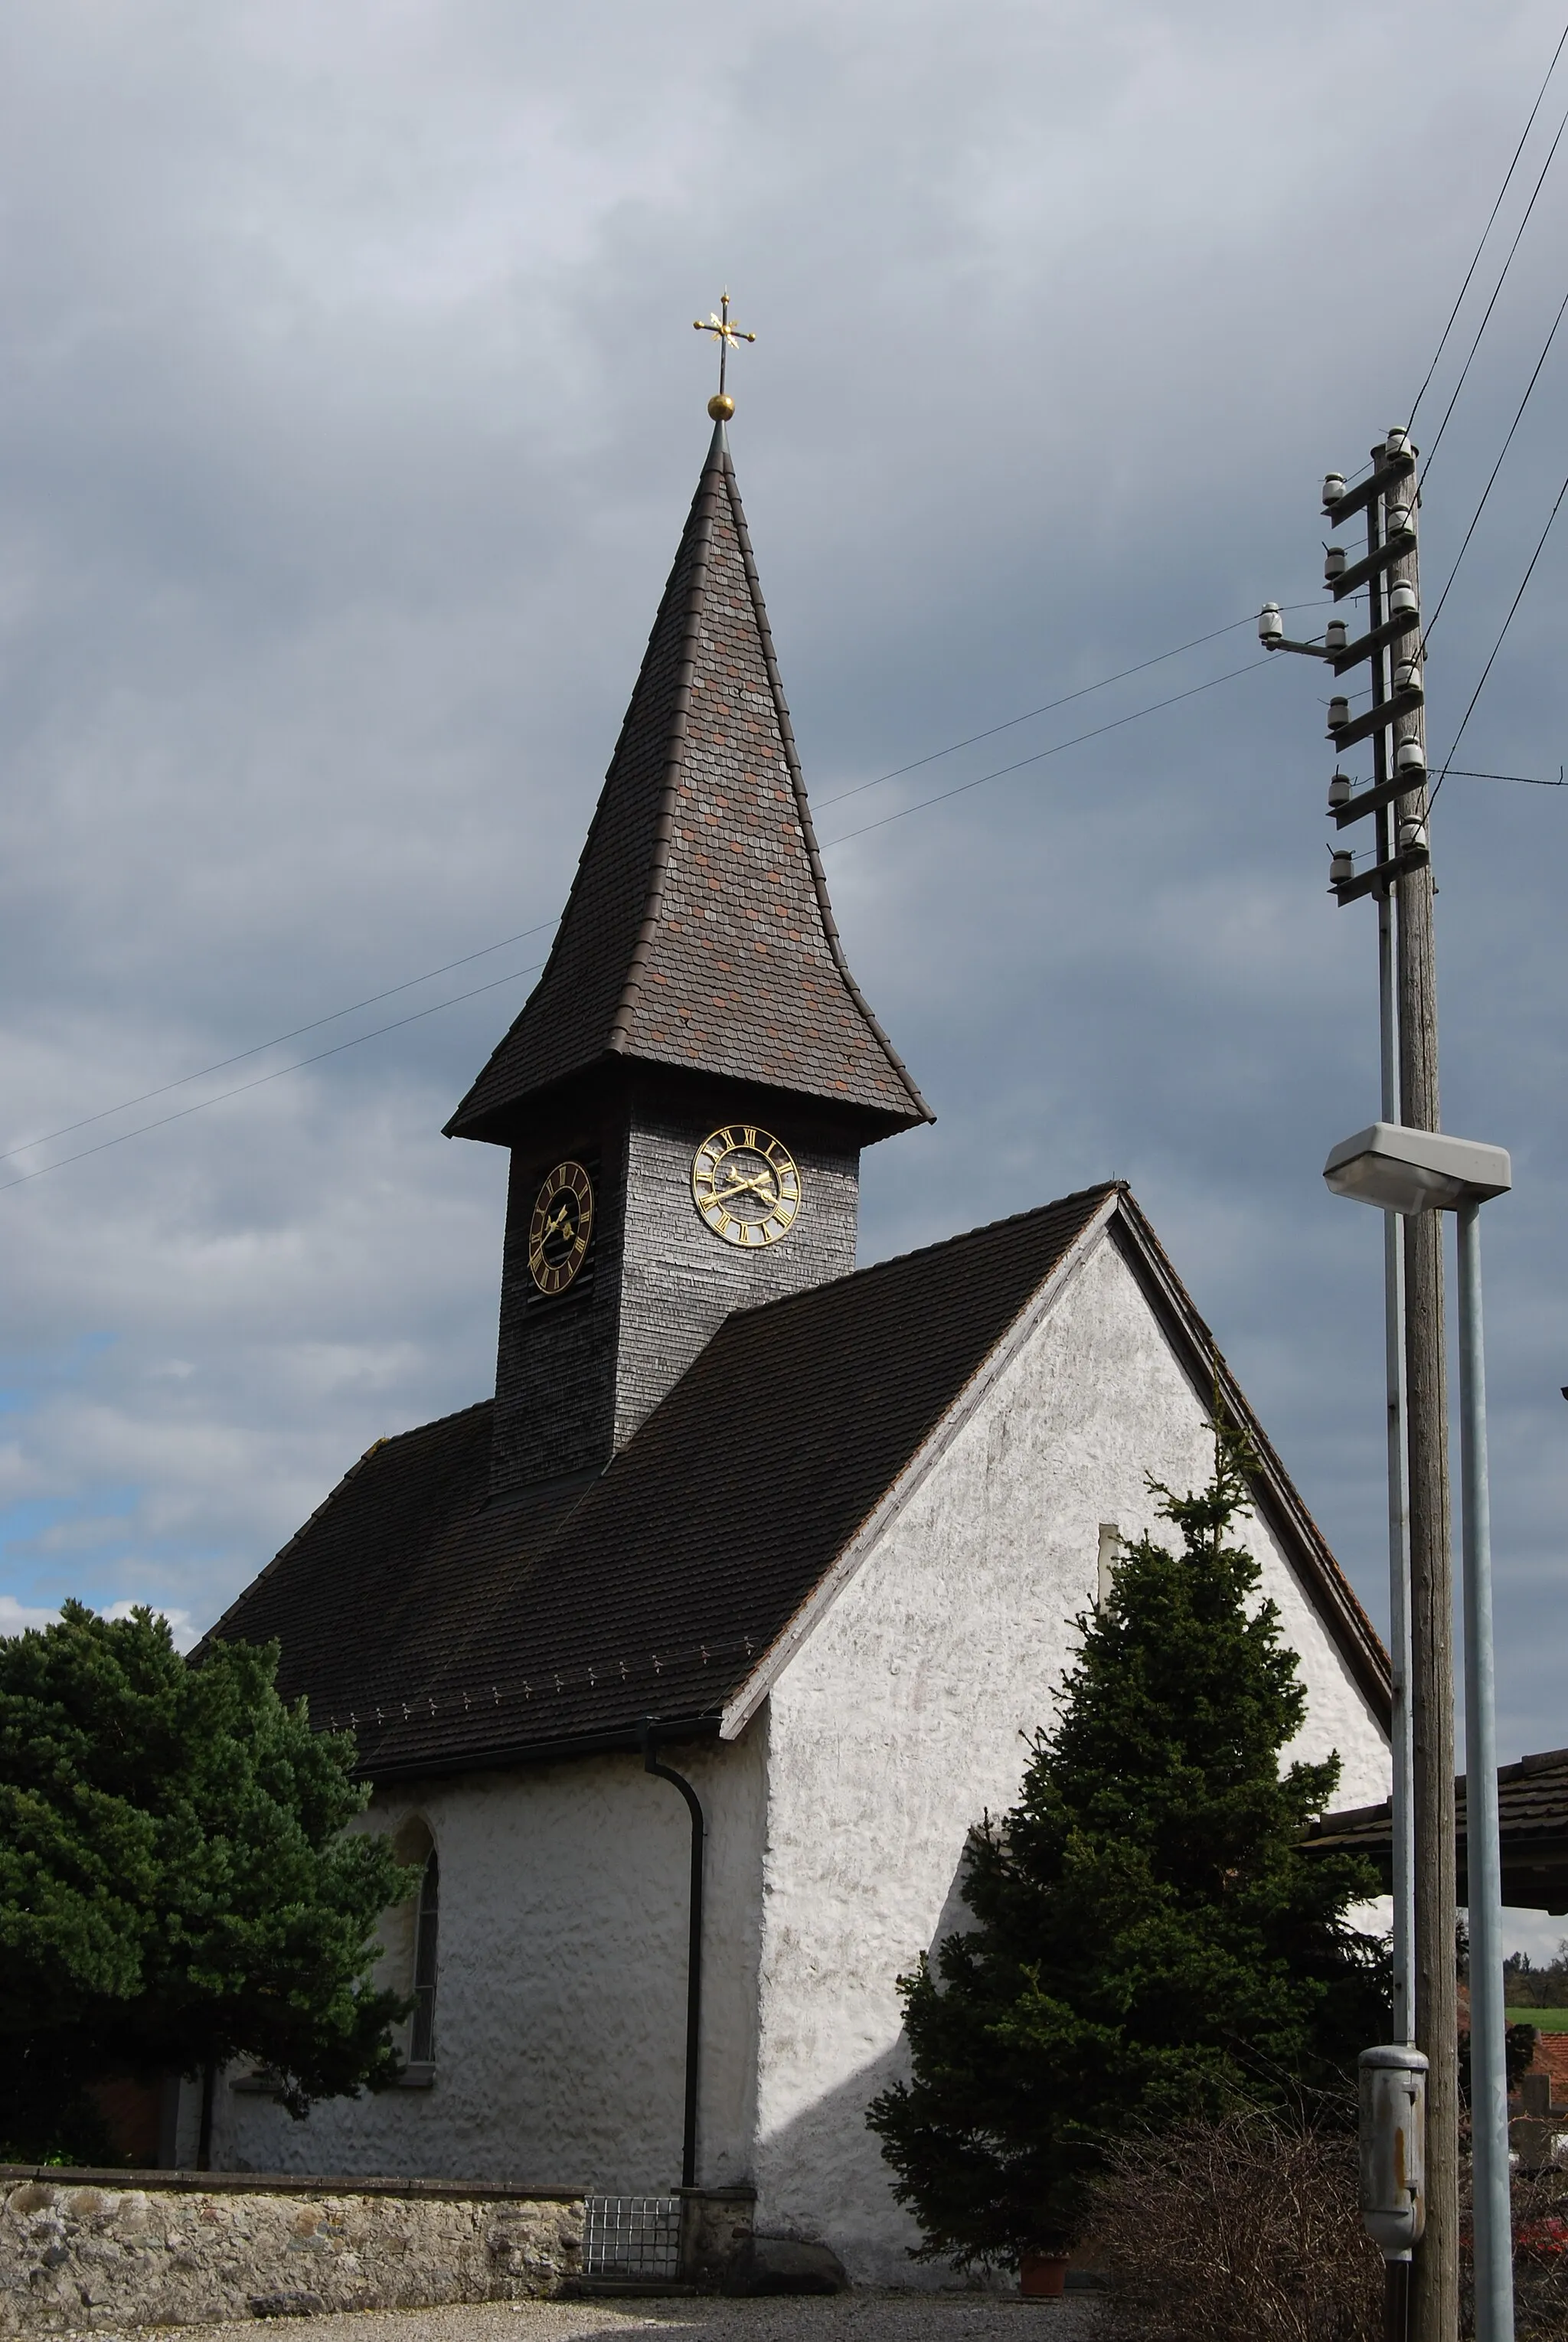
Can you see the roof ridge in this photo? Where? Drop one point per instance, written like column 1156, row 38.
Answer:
column 1095, row 1193
column 391, row 1438
column 1360, row 1641
column 388, row 1440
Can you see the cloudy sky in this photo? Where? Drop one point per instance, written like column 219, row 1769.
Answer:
column 348, row 414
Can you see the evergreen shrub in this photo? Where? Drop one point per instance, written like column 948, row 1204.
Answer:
column 1149, row 1942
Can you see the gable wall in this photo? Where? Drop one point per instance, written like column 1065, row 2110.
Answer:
column 900, row 1720
column 562, row 1986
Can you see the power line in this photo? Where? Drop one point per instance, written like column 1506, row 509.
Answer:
column 941, row 798
column 1492, row 221
column 1531, row 780
column 1491, row 305
column 182, row 1113
column 260, row 1080
column 1082, row 692
column 1039, row 757
column 1486, row 491
column 277, row 1042
column 468, row 958
column 476, row 991
column 1497, row 646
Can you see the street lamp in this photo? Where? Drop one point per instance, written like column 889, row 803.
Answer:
column 1409, row 1171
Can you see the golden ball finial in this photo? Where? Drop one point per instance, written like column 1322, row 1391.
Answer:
column 721, row 406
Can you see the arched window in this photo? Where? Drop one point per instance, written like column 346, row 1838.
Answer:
column 421, row 2028
column 410, row 1958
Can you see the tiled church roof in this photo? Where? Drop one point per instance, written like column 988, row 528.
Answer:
column 699, row 933
column 452, row 1631
column 656, row 1588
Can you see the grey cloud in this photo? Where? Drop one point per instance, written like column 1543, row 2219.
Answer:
column 351, row 410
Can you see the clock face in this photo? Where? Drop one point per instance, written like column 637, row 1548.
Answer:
column 745, row 1185
column 562, row 1225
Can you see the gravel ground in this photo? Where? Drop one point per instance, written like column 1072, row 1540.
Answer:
column 859, row 2316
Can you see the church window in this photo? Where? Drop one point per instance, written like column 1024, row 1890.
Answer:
column 1111, row 1542
column 422, row 2031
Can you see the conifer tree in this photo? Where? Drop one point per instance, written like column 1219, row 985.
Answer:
column 177, row 1886
column 1149, row 1941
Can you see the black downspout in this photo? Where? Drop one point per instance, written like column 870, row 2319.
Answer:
column 204, row 2135
column 693, row 1953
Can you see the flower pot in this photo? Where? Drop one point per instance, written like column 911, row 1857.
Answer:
column 1041, row 2276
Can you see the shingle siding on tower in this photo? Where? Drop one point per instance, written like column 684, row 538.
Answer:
column 576, row 1376
column 678, row 1284
column 699, row 933
column 555, row 1361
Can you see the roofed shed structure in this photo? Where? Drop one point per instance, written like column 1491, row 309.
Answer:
column 1533, row 1813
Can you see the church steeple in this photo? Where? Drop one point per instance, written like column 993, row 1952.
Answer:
column 699, row 933
column 687, row 1090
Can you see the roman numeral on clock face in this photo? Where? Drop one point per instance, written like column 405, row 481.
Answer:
column 560, row 1228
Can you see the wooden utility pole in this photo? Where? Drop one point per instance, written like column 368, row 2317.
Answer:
column 1434, row 2275
column 1400, row 877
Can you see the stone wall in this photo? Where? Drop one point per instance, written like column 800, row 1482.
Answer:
column 115, row 2248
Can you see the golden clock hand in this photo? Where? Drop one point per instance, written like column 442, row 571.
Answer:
column 740, row 1187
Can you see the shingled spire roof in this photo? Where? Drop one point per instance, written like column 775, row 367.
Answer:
column 699, row 933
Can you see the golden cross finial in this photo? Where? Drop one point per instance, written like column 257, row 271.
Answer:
column 726, row 336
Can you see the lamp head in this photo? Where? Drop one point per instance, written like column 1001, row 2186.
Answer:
column 1409, row 1171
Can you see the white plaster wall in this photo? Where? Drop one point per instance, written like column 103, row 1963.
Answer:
column 902, row 1719
column 561, row 1986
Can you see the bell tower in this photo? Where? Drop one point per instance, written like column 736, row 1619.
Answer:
column 685, row 1093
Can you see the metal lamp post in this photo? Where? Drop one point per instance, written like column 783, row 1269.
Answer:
column 1411, row 1171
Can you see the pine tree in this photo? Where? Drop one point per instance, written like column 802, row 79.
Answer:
column 1149, row 1940
column 177, row 1887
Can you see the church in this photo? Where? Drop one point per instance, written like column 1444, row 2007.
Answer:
column 684, row 1664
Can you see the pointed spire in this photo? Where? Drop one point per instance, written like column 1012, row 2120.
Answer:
column 698, row 933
